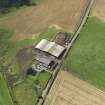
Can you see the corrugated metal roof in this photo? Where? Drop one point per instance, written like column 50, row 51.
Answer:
column 50, row 47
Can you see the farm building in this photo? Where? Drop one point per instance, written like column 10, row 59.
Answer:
column 48, row 53
column 50, row 47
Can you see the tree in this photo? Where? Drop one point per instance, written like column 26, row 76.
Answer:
column 6, row 4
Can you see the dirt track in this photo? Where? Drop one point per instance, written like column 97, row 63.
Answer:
column 64, row 13
column 99, row 9
column 69, row 90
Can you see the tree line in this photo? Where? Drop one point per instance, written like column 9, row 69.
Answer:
column 6, row 4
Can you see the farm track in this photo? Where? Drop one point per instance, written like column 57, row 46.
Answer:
column 76, row 34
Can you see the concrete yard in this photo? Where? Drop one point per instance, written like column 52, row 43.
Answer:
column 69, row 90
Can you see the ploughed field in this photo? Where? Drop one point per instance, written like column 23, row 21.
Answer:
column 69, row 90
column 64, row 13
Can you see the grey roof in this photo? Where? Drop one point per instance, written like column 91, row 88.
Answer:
column 42, row 57
column 50, row 47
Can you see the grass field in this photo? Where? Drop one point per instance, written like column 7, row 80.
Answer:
column 87, row 57
column 27, row 89
column 5, row 98
column 29, row 21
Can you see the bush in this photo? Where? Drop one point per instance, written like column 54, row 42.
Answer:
column 32, row 72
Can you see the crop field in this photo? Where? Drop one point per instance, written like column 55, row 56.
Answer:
column 63, row 13
column 86, row 58
column 99, row 9
column 69, row 90
column 5, row 98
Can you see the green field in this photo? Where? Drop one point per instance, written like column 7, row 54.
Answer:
column 25, row 92
column 5, row 98
column 87, row 57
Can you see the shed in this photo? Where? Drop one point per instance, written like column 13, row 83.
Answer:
column 61, row 38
